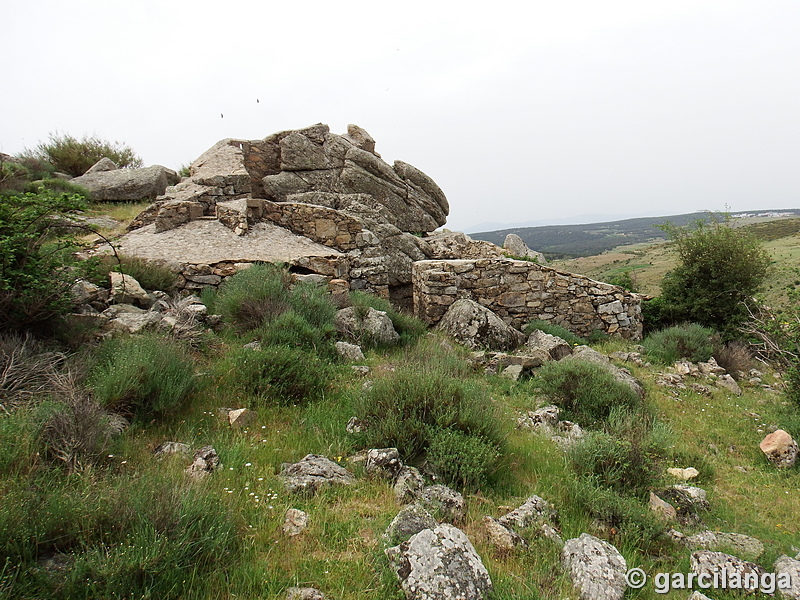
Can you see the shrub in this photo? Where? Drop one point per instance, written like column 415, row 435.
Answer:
column 313, row 303
column 625, row 279
column 776, row 336
column 585, row 390
column 410, row 328
column 283, row 375
column 27, row 370
column 408, row 408
column 293, row 330
column 33, row 282
column 613, row 462
column 143, row 374
column 460, row 459
column 688, row 341
column 635, row 522
column 553, row 329
column 254, row 295
column 735, row 357
column 76, row 432
column 74, row 157
column 719, row 270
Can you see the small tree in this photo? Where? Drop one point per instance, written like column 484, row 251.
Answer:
column 74, row 157
column 33, row 281
column 719, row 271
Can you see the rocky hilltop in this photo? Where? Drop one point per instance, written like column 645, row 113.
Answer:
column 329, row 207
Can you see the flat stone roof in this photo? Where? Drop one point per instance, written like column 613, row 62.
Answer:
column 207, row 241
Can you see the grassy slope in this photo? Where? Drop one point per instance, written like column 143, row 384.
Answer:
column 341, row 553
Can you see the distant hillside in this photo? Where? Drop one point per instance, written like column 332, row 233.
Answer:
column 566, row 241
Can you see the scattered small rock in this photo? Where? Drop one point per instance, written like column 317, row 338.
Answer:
column 168, row 448
column 784, row 566
column 383, row 463
column 780, row 449
column 408, row 485
column 295, row 522
column 349, row 352
column 500, row 536
column 313, row 472
column 445, row 504
column 729, row 383
column 206, row 461
column 409, row 521
column 663, row 509
column 743, row 545
column 354, row 425
column 684, row 474
column 241, row 417
column 596, row 568
column 709, row 563
column 306, row 593
column 440, row 564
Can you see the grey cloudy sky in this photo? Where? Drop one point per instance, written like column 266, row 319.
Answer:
column 521, row 112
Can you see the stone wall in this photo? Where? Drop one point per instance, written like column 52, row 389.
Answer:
column 520, row 291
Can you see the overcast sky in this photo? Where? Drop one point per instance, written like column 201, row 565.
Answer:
column 521, row 112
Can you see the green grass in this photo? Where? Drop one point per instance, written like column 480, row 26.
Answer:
column 135, row 526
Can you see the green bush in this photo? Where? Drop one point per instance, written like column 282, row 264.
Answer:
column 284, row 375
column 410, row 328
column 293, row 330
column 460, row 459
column 720, row 269
column 250, row 297
column 553, row 329
column 586, row 391
column 635, row 522
column 313, row 303
column 142, row 374
column 416, row 410
column 614, row 462
column 688, row 341
column 625, row 280
column 74, row 157
column 34, row 284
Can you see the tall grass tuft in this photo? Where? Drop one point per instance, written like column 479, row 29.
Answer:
column 254, row 295
column 142, row 374
column 585, row 390
column 277, row 374
column 688, row 341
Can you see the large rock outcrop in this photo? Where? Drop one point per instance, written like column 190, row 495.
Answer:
column 110, row 184
column 343, row 212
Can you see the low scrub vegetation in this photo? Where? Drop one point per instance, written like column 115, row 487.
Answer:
column 586, row 391
column 90, row 511
column 74, row 156
column 689, row 341
column 143, row 375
